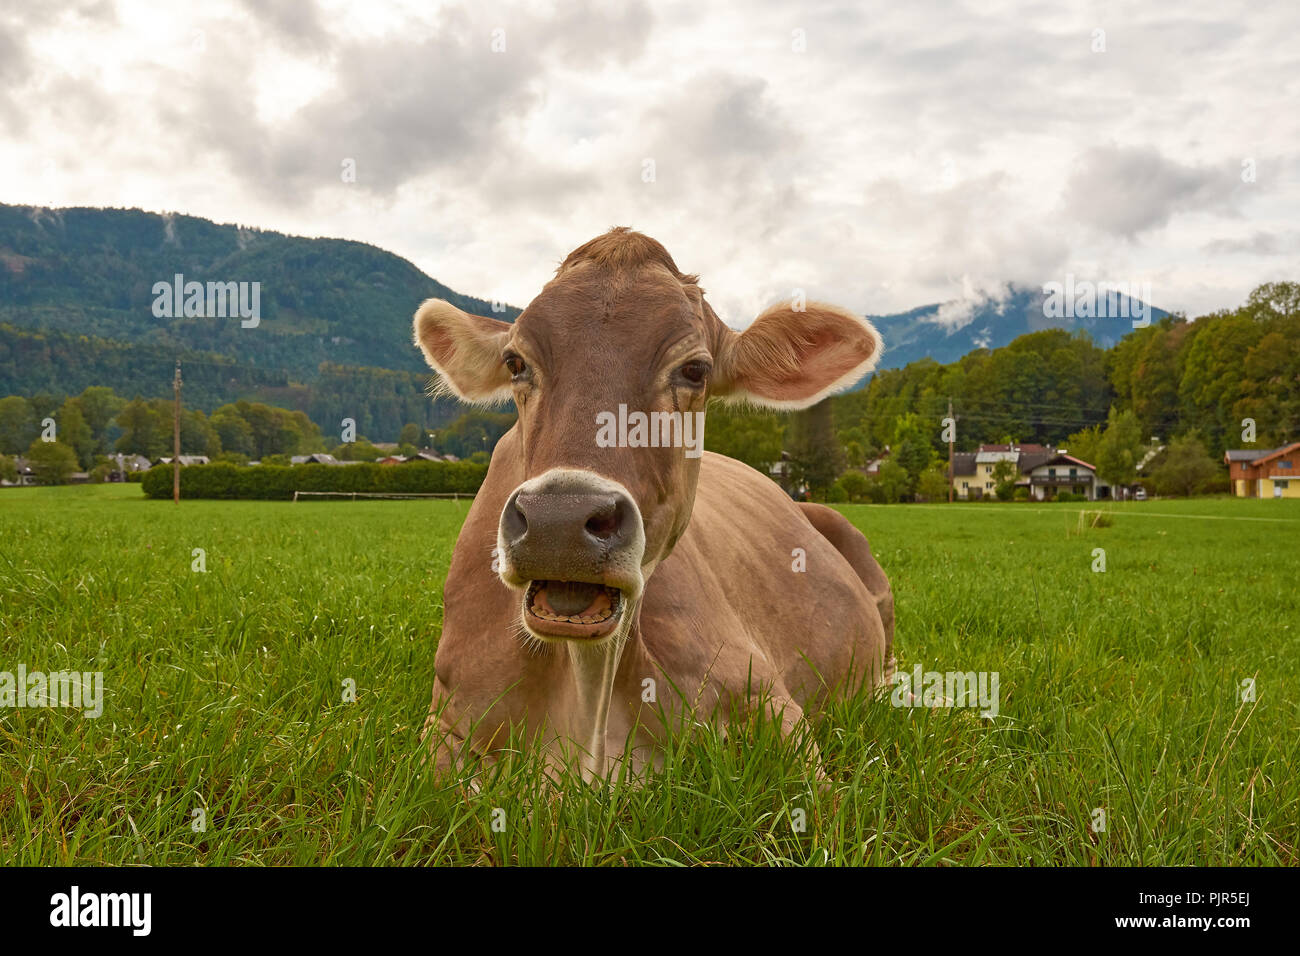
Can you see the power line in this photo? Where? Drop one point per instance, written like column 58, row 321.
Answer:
column 998, row 405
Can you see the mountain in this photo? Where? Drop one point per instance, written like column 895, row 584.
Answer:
column 92, row 272
column 77, row 308
column 947, row 331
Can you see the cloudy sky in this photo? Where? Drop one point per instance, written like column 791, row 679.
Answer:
column 879, row 155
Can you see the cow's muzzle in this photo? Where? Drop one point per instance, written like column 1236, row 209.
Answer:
column 573, row 541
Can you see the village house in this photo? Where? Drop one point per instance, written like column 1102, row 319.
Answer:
column 428, row 454
column 987, row 459
column 26, row 475
column 125, row 464
column 965, row 485
column 973, row 471
column 873, row 466
column 1267, row 473
column 782, row 472
column 1041, row 470
column 1061, row 472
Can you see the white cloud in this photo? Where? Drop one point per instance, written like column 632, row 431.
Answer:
column 959, row 313
column 1127, row 191
column 912, row 153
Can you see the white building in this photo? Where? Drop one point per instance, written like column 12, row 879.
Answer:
column 1062, row 472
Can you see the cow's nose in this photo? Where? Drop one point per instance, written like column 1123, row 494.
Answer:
column 566, row 535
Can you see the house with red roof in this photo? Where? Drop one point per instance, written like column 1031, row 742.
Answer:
column 1266, row 473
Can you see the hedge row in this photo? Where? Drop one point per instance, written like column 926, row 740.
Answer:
column 279, row 482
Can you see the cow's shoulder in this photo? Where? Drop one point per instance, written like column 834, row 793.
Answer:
column 751, row 584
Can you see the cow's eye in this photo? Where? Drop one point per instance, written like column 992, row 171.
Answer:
column 694, row 372
column 515, row 365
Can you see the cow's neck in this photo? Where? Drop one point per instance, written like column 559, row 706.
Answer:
column 594, row 670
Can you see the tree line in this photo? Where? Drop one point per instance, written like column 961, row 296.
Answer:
column 1194, row 387
column 1191, row 386
column 84, row 432
column 60, row 364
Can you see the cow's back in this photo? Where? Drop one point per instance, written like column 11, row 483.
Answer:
column 753, row 591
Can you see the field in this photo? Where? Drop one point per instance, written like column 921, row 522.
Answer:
column 225, row 737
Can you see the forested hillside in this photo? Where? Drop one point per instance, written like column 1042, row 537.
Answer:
column 1176, row 376
column 58, row 364
column 333, row 340
column 92, row 271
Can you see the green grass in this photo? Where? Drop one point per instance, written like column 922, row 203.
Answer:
column 224, row 692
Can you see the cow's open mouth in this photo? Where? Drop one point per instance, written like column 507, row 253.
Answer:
column 573, row 609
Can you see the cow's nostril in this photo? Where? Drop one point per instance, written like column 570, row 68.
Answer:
column 603, row 524
column 514, row 520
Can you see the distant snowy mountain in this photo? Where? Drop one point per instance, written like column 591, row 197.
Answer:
column 947, row 331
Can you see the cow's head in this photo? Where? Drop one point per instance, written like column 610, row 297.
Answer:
column 617, row 334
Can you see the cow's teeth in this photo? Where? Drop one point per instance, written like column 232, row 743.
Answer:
column 596, row 617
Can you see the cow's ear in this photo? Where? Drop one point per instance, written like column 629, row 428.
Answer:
column 465, row 351
column 791, row 359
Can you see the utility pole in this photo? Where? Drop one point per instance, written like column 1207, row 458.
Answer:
column 176, row 436
column 952, row 428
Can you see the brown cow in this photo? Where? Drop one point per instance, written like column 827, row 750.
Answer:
column 604, row 579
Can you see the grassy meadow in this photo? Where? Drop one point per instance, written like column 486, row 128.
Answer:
column 225, row 738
